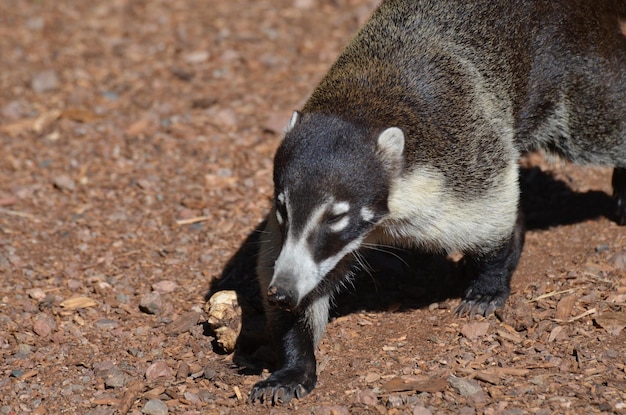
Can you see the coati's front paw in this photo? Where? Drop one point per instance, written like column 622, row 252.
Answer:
column 479, row 302
column 282, row 387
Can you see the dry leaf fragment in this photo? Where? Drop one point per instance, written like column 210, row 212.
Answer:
column 45, row 120
column 79, row 115
column 554, row 333
column 612, row 322
column 183, row 323
column 475, row 330
column 402, row 384
column 564, row 307
column 78, row 302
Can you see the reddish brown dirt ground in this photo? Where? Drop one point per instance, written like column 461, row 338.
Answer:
column 137, row 141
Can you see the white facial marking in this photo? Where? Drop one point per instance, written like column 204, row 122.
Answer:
column 329, row 263
column 296, row 259
column 340, row 208
column 367, row 214
column 281, row 198
column 340, row 225
column 279, row 217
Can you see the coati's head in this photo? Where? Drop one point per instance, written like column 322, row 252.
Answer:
column 332, row 181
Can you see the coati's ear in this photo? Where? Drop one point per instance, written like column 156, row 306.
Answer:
column 295, row 118
column 390, row 146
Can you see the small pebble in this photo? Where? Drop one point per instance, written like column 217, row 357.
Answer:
column 158, row 369
column 16, row 373
column 151, row 303
column 64, row 182
column 44, row 81
column 465, row 387
column 115, row 378
column 164, row 287
column 107, row 324
column 619, row 260
column 36, row 294
column 421, row 410
column 154, row 407
column 23, row 350
column 367, row 397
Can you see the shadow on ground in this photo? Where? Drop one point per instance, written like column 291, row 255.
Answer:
column 401, row 279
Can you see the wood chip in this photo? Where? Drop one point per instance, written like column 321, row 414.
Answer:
column 564, row 307
column 612, row 322
column 135, row 388
column 78, row 302
column 183, row 323
column 403, row 384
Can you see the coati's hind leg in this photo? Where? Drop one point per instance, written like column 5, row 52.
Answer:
column 619, row 193
column 491, row 287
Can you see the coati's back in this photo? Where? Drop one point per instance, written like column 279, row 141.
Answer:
column 544, row 71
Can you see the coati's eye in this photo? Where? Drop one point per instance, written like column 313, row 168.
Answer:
column 337, row 218
column 281, row 211
column 279, row 217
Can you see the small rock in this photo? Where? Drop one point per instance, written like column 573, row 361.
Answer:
column 330, row 410
column 158, row 370
column 16, row 373
column 197, row 57
column 64, row 182
column 192, row 397
column 465, row 387
column 305, row 4
column 23, row 350
column 164, row 287
column 183, row 371
column 36, row 294
column 475, row 330
column 44, row 81
column 226, row 117
column 115, row 378
column 154, row 407
column 619, row 260
column 107, row 324
column 102, row 369
column 209, row 373
column 367, row 397
column 151, row 303
column 602, row 248
column 421, row 410
column 41, row 328
column 394, row 401
column 372, row 377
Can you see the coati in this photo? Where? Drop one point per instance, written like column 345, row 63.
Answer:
column 412, row 139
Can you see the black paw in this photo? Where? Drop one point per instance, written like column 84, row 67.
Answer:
column 619, row 194
column 277, row 389
column 481, row 304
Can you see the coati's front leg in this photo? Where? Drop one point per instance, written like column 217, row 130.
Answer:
column 619, row 193
column 294, row 333
column 491, row 286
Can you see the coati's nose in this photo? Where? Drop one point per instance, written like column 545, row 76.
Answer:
column 281, row 298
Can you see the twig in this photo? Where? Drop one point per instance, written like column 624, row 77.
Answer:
column 193, row 220
column 586, row 313
column 552, row 294
column 18, row 213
